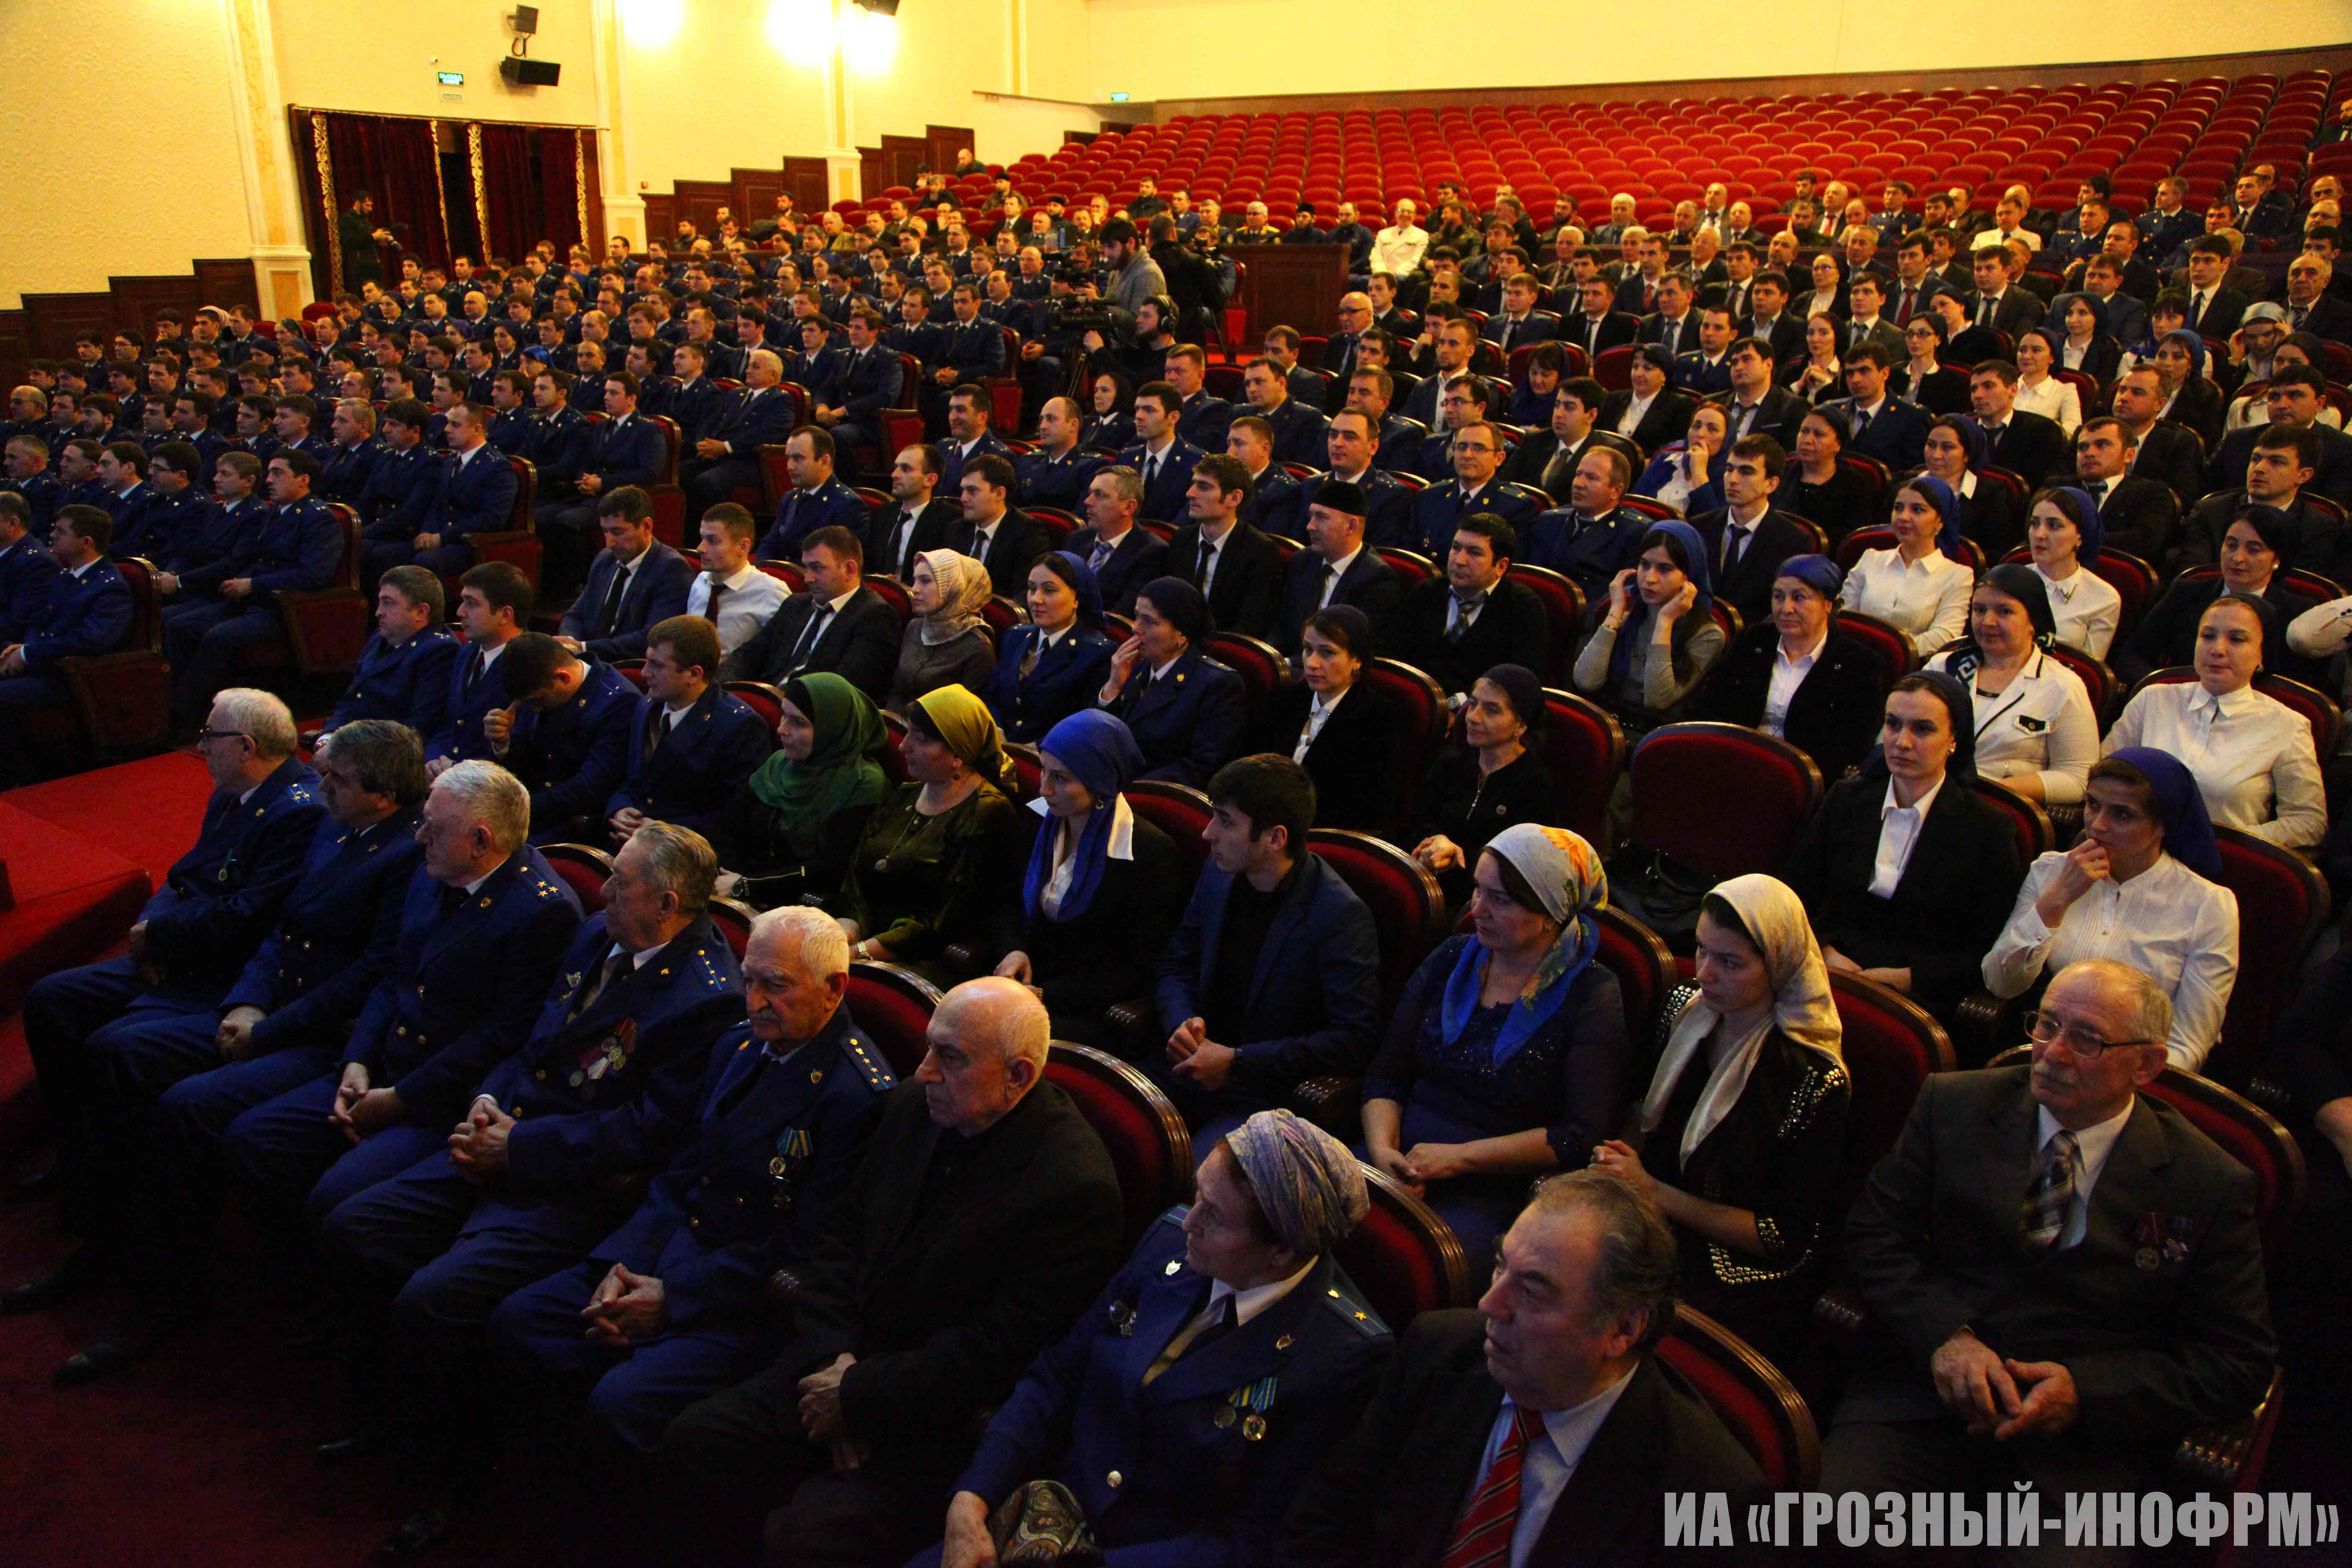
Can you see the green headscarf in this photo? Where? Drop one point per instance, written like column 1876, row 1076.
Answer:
column 840, row 770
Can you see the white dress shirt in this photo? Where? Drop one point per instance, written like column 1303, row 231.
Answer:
column 1927, row 597
column 751, row 597
column 1635, row 411
column 2252, row 757
column 2053, row 399
column 1548, row 1463
column 1788, row 673
column 2092, row 1144
column 1119, row 845
column 2087, row 610
column 1898, row 835
column 2039, row 723
column 1333, row 571
column 2168, row 923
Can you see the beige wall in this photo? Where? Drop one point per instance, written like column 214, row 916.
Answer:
column 1210, row 48
column 318, row 67
column 146, row 188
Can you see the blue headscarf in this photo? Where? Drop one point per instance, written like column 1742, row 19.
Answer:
column 2194, row 344
column 1971, row 436
column 2188, row 828
column 1102, row 754
column 2084, row 510
column 1819, row 572
column 1088, row 590
column 1636, row 625
column 1570, row 881
column 1948, row 504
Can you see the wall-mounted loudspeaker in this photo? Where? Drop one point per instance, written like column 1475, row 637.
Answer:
column 525, row 19
column 520, row 72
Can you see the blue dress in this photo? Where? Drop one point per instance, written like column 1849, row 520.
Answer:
column 1568, row 1077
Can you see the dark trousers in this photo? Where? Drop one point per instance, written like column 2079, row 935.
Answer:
column 18, row 692
column 287, row 1147
column 205, row 644
column 1939, row 1455
column 744, row 1448
column 708, row 484
column 568, row 532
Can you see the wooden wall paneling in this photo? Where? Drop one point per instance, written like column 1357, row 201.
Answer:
column 903, row 158
column 594, row 238
column 661, row 219
column 699, row 200
column 228, row 282
column 136, row 300
column 944, row 141
column 811, row 184
column 15, row 347
column 56, row 320
column 873, row 171
column 755, row 194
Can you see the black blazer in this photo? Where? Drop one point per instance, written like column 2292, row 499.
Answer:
column 1667, row 420
column 2140, row 516
column 2172, row 455
column 861, row 646
column 1948, row 910
column 1747, row 587
column 1369, row 583
column 1106, row 955
column 2198, row 405
column 944, row 1303
column 1139, row 557
column 1945, row 391
column 1020, row 539
column 1352, row 761
column 1393, row 1491
column 1616, row 329
column 1834, row 716
column 2035, row 447
column 1778, row 413
column 1512, row 629
column 931, row 526
column 1246, row 597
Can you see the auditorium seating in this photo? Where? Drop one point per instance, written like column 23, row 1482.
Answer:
column 1403, row 1258
column 1149, row 1144
column 585, row 870
column 894, row 1005
column 1750, row 1395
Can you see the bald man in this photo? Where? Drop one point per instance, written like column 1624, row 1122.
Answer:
column 983, row 1220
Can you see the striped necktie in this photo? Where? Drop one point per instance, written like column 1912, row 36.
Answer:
column 2050, row 1194
column 1483, row 1538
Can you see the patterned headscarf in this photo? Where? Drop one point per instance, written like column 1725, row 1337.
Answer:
column 964, row 587
column 1568, row 879
column 1307, row 1184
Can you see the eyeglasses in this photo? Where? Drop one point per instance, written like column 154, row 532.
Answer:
column 2044, row 1029
column 209, row 733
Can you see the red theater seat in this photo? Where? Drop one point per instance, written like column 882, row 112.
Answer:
column 893, row 1006
column 1403, row 1258
column 1149, row 1144
column 1749, row 1395
column 584, row 868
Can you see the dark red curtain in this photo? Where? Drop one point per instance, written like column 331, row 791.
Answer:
column 391, row 160
column 510, row 191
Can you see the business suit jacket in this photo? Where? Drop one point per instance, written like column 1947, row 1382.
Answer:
column 1532, row 459
column 408, row 683
column 607, row 1088
column 2017, row 309
column 686, row 779
column 975, row 351
column 1314, row 993
column 295, row 547
column 1163, row 493
column 1747, row 587
column 2325, row 317
column 1950, row 906
column 1299, row 431
column 334, row 933
column 753, row 419
column 1617, row 328
column 1778, row 413
column 1083, row 1412
column 2035, row 447
column 1637, row 297
column 345, row 470
column 1392, row 1491
column 929, row 532
column 1247, row 595
column 1511, row 629
column 1655, row 328
column 1013, row 549
column 460, row 735
column 1203, row 421
column 2140, row 516
column 870, row 383
column 2173, row 456
column 1834, row 718
column 1388, row 504
column 2332, row 477
column 802, row 513
column 1352, row 759
column 1437, row 510
column 396, row 476
column 2225, row 309
column 1668, row 418
column 468, row 974
column 1066, row 679
column 1137, row 559
column 1588, row 553
column 1934, row 1242
column 1057, row 482
column 619, row 451
column 657, row 591
column 85, row 616
column 475, row 497
column 573, row 758
column 860, row 645
column 944, row 1303
column 1188, row 723
column 1369, row 583
column 724, row 1217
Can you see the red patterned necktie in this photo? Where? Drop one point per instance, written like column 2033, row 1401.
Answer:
column 1483, row 1539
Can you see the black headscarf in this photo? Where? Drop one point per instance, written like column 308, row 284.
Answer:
column 1519, row 685
column 1181, row 605
column 2023, row 584
column 1961, row 710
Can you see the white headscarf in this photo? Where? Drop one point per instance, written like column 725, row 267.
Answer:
column 1802, row 1008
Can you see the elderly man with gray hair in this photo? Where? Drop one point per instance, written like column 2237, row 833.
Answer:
column 483, row 926
column 2060, row 1272
column 1187, row 1406
column 983, row 1220
column 1540, row 1428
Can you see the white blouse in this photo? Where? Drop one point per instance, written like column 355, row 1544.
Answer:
column 2086, row 609
column 1928, row 597
column 2168, row 923
column 2053, row 399
column 2039, row 723
column 2252, row 757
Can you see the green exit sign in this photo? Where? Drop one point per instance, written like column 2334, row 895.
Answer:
column 450, row 78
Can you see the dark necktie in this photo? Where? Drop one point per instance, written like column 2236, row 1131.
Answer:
column 710, row 610
column 2050, row 1197
column 1735, row 544
column 1208, row 564
column 1103, row 550
column 474, row 668
column 1984, row 310
column 2098, row 492
column 586, row 998
column 1861, row 424
column 611, row 612
column 1465, row 605
column 809, row 635
column 1902, row 306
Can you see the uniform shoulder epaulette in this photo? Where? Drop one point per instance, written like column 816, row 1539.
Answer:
column 1175, row 1215
column 1352, row 1309
column 867, row 1058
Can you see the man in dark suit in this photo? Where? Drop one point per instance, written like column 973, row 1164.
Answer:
column 917, row 519
column 692, row 741
column 1673, row 325
column 1133, row 1406
column 1273, row 504
column 2026, row 444
column 1998, row 303
column 1599, row 325
column 968, row 436
column 469, row 489
column 1892, row 429
column 296, row 546
column 2294, row 399
column 86, row 612
column 1771, row 320
column 1123, row 556
column 2311, row 305
column 1458, row 627
column 1162, row 456
column 2060, row 1273
column 403, row 669
column 1273, row 975
column 838, row 625
column 1476, row 452
column 634, row 582
column 1593, row 537
column 983, row 1221
column 1202, row 420
column 817, row 499
column 2215, row 309
column 494, row 605
column 1004, row 541
column 1297, row 429
column 1477, row 1448
column 871, row 381
column 727, row 455
column 1747, row 539
column 1752, row 405
column 1451, row 340
column 1349, row 443
column 1546, row 460
column 564, row 733
column 2170, row 454
column 624, row 449
column 1056, row 474
column 1235, row 565
column 2138, row 516
column 27, row 573
column 1336, row 567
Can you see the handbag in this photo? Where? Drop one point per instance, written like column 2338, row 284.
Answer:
column 1041, row 1525
column 1657, row 890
